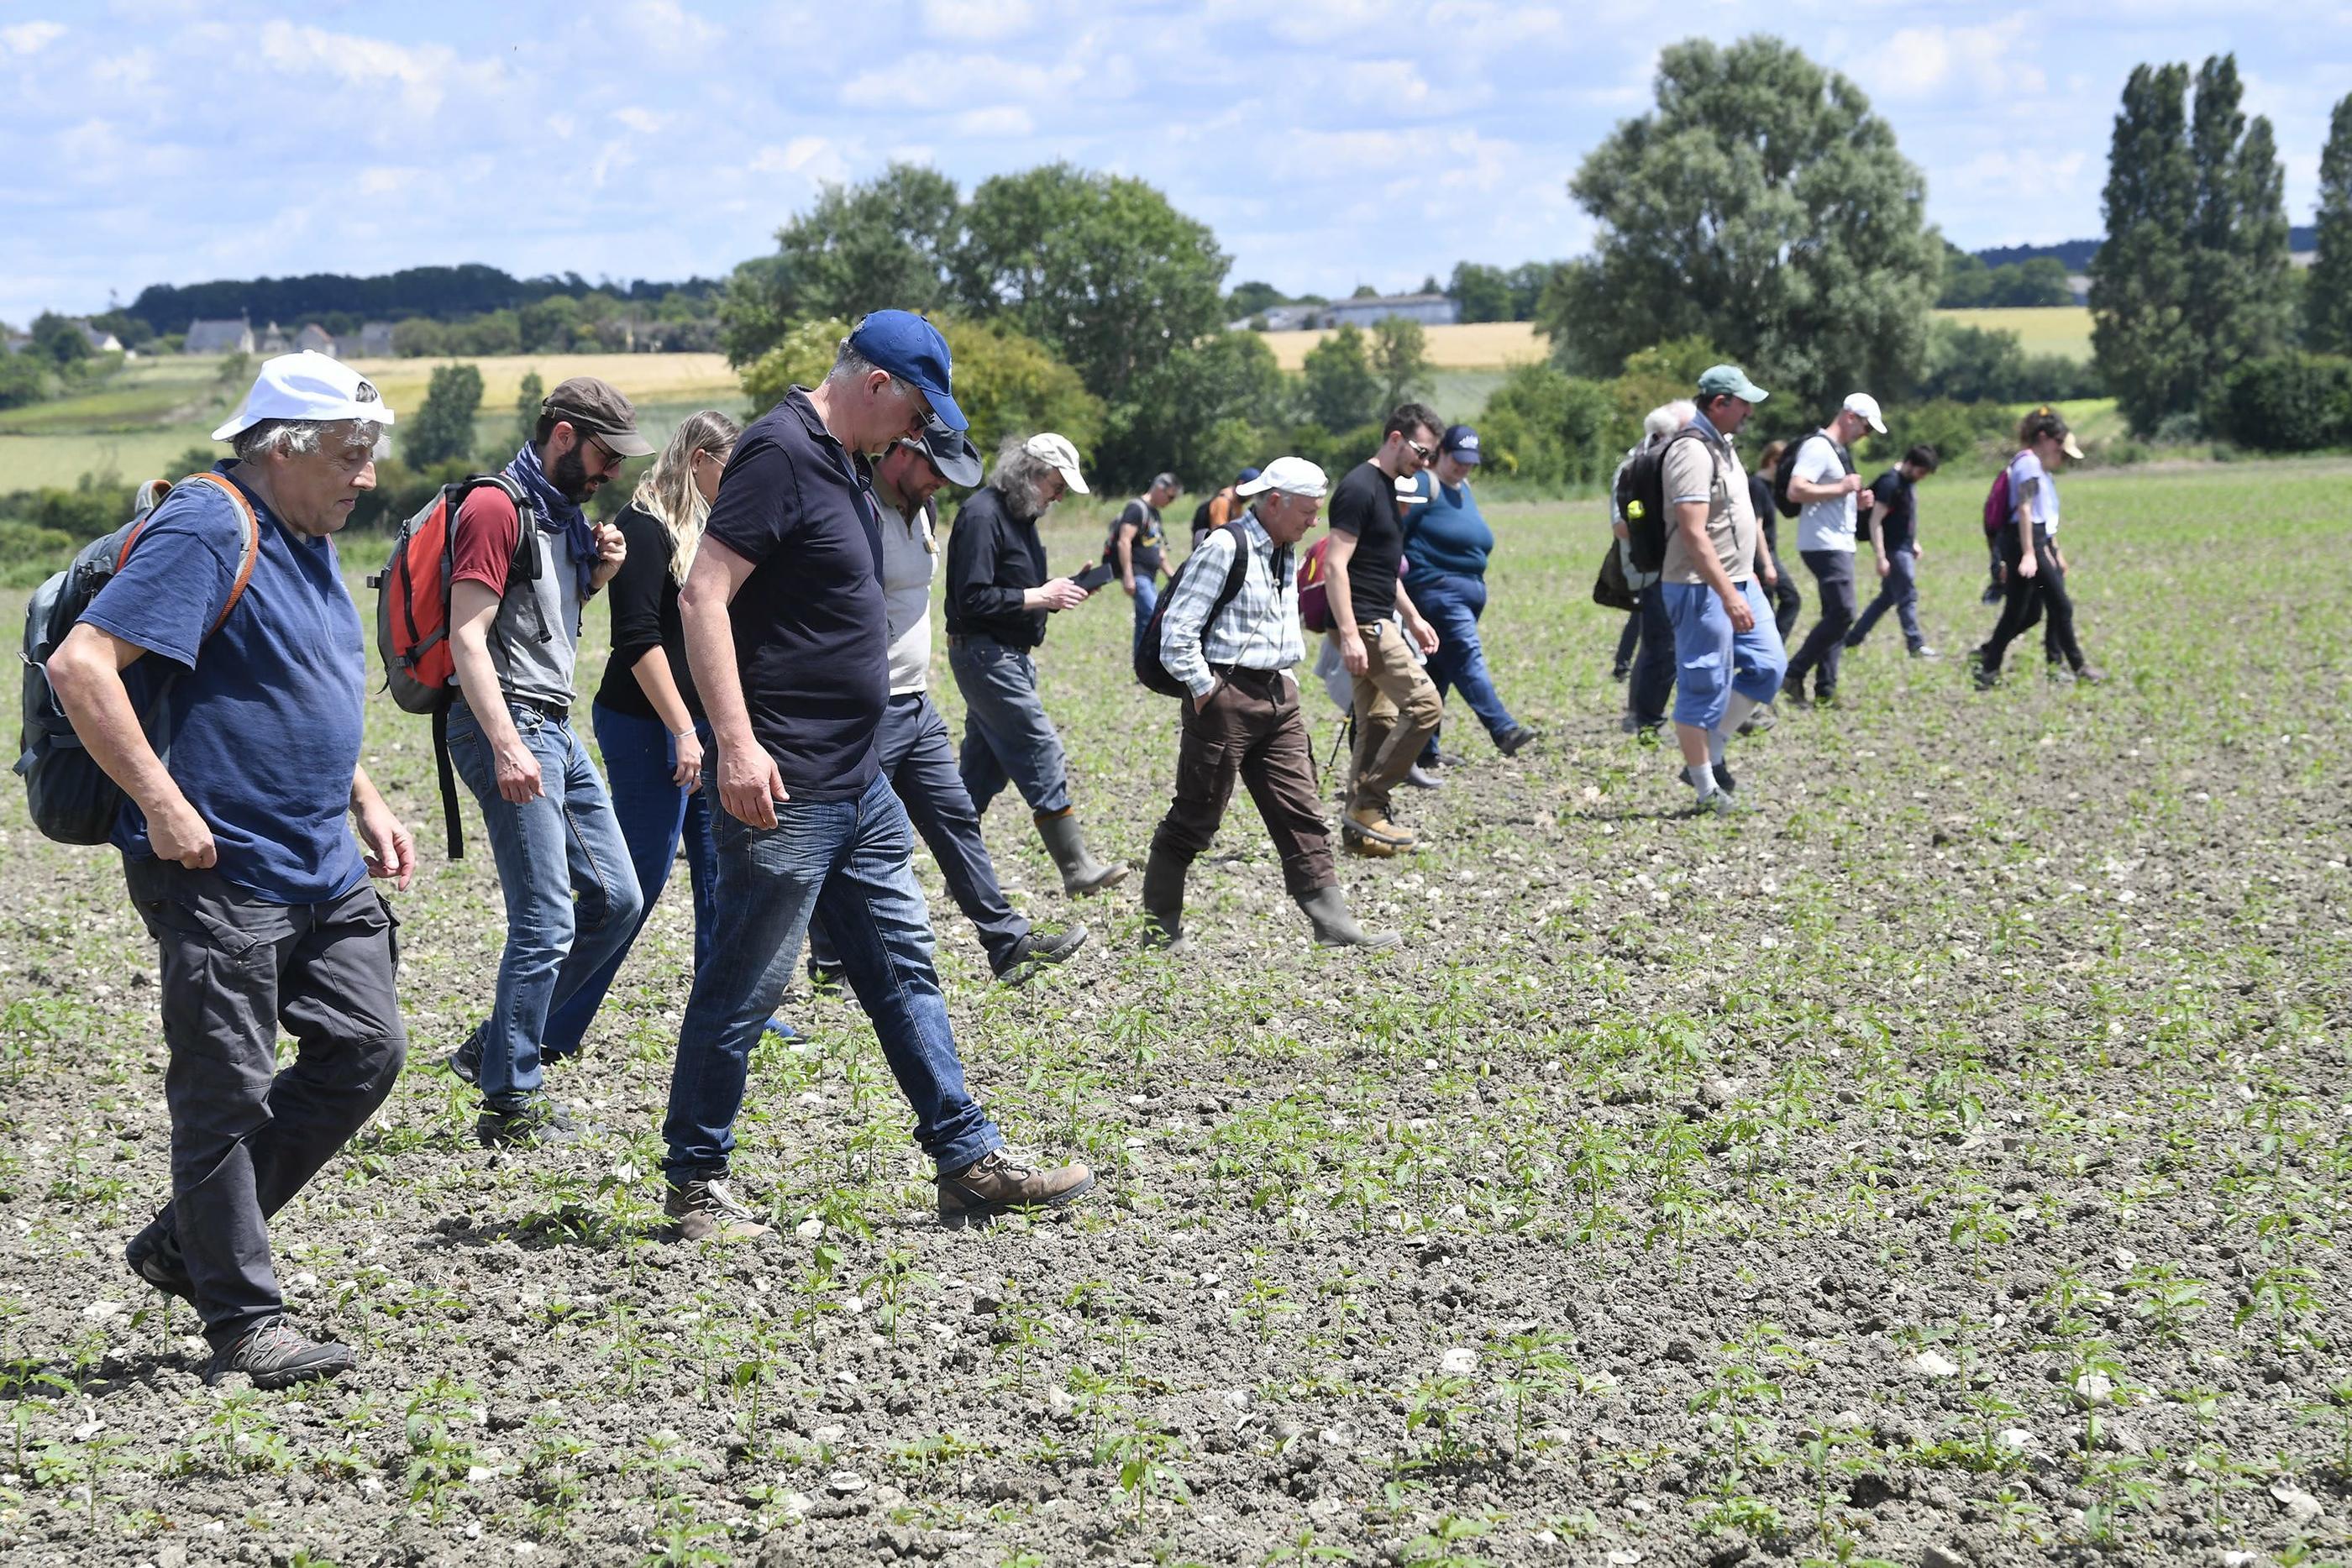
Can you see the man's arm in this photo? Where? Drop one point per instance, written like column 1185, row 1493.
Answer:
column 85, row 674
column 1874, row 508
column 1187, row 617
column 1421, row 631
column 1338, row 597
column 391, row 852
column 750, row 783
column 1690, row 517
column 473, row 607
column 1804, row 489
column 2025, row 561
column 1126, row 557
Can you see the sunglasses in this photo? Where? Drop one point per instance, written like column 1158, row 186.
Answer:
column 1424, row 453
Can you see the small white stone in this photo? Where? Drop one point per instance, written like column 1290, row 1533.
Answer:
column 809, row 1230
column 1935, row 1363
column 1458, row 1362
column 99, row 1311
column 842, row 1484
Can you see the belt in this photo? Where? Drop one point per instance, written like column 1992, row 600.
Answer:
column 560, row 712
column 1244, row 673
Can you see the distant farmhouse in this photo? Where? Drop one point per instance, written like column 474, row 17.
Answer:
column 219, row 336
column 1430, row 310
column 375, row 340
column 313, row 338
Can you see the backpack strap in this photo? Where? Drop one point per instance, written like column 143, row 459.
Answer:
column 250, row 532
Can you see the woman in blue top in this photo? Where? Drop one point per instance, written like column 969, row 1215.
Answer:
column 1446, row 545
column 2034, row 575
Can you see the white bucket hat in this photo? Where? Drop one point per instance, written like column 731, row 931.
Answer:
column 1051, row 448
column 307, row 386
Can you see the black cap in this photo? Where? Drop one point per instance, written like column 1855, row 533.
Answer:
column 952, row 454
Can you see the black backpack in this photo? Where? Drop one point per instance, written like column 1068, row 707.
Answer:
column 1786, row 469
column 72, row 799
column 1148, row 668
column 1641, row 499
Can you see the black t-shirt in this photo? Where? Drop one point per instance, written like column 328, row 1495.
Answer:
column 1760, row 496
column 1364, row 507
column 812, row 637
column 1151, row 540
column 1899, row 510
column 644, row 598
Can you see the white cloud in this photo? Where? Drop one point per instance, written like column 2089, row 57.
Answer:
column 25, row 39
column 1004, row 120
column 421, row 75
column 983, row 20
column 1920, row 61
column 643, row 121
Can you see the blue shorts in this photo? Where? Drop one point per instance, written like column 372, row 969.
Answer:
column 1712, row 661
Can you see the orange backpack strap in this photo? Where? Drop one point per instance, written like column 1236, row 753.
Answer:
column 249, row 527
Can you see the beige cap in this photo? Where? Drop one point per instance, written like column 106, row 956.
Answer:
column 1054, row 450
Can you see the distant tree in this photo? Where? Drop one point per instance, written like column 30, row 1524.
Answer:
column 2327, row 287
column 1364, row 291
column 2038, row 282
column 1400, row 357
column 1098, row 267
column 1761, row 205
column 1967, row 281
column 2239, row 305
column 443, row 428
column 1339, row 385
column 1662, row 373
column 1253, row 300
column 1429, row 285
column 1528, row 281
column 1480, row 293
column 1202, row 412
column 528, row 397
column 58, row 339
column 1547, row 428
column 885, row 242
column 24, row 379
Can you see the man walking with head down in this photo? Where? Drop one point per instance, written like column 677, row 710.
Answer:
column 789, row 639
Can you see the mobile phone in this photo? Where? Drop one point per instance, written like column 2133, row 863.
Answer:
column 1093, row 577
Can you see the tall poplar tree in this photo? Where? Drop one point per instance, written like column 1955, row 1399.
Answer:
column 2327, row 287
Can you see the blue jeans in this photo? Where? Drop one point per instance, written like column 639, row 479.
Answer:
column 1147, row 600
column 1453, row 603
column 1007, row 738
column 920, row 763
column 572, row 895
column 1652, row 686
column 1712, row 661
column 656, row 816
column 846, row 862
column 1899, row 593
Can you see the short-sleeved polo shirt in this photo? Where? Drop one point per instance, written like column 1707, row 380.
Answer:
column 1705, row 468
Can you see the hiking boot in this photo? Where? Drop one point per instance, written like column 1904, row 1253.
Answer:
column 1420, row 777
column 1794, row 695
column 1163, row 898
column 464, row 1064
column 999, row 1183
column 1035, row 950
column 1723, row 803
column 1511, row 740
column 709, row 1211
column 825, row 978
column 1081, row 873
column 2090, row 675
column 1723, row 778
column 1370, row 824
column 1327, row 912
column 1925, row 651
column 537, row 1122
column 275, row 1353
column 155, row 1258
column 1985, row 678
column 1758, row 720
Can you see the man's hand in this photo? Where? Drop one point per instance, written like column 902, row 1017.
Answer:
column 1352, row 654
column 1771, row 575
column 1199, row 700
column 750, row 784
column 1919, row 552
column 1885, row 566
column 175, row 832
column 2030, row 566
column 688, row 774
column 1425, row 636
column 391, row 851
column 1849, row 485
column 1059, row 594
column 517, row 775
column 612, row 545
column 1128, row 583
column 1735, row 604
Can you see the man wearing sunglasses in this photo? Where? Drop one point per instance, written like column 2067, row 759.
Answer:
column 1397, row 706
column 521, row 575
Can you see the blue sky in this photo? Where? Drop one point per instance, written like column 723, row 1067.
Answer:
column 1328, row 143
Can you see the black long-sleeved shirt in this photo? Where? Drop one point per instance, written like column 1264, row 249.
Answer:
column 644, row 598
column 993, row 559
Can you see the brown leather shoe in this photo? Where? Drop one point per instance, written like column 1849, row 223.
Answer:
column 1368, row 830
column 1000, row 1183
column 709, row 1211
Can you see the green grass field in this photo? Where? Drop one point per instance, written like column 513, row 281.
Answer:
column 1951, row 1155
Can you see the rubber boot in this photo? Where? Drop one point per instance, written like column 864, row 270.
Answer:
column 1163, row 899
column 1326, row 911
column 1081, row 873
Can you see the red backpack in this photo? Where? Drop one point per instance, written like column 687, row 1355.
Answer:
column 412, row 617
column 1998, row 511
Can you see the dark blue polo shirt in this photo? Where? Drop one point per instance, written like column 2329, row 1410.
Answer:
column 263, row 732
column 811, row 638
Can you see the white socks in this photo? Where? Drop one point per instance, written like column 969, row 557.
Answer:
column 1735, row 714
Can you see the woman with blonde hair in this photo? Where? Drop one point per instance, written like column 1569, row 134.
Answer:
column 648, row 723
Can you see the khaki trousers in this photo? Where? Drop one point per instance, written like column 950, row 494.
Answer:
column 1397, row 710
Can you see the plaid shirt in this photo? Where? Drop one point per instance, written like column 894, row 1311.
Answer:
column 1258, row 631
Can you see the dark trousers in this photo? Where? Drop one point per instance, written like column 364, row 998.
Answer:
column 2043, row 594
column 1250, row 729
column 1629, row 640
column 916, row 756
column 1899, row 591
column 1786, row 602
column 1652, row 686
column 247, row 1136
column 1833, row 570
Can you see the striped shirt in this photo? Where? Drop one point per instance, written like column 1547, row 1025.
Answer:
column 1258, row 631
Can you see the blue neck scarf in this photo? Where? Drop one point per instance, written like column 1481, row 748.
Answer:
column 560, row 512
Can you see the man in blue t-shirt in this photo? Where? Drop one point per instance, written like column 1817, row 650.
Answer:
column 249, row 669
column 789, row 639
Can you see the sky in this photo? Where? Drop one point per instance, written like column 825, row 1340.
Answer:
column 1328, row 142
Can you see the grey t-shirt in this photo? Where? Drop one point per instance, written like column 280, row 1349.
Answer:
column 1709, row 470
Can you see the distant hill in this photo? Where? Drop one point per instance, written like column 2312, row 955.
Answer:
column 444, row 293
column 2076, row 253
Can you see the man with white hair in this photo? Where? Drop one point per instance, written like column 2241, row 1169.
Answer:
column 1233, row 653
column 236, row 849
column 998, row 597
column 1824, row 484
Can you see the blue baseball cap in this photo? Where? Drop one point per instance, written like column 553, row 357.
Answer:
column 1461, row 444
column 1246, row 476
column 911, row 348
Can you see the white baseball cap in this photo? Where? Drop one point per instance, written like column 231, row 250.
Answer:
column 1865, row 407
column 1064, row 456
column 307, row 386
column 1290, row 476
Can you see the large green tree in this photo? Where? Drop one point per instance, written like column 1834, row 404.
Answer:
column 1763, row 206
column 884, row 243
column 2192, row 278
column 2327, row 287
column 443, row 428
column 1202, row 410
column 1336, row 384
column 1480, row 293
column 1098, row 267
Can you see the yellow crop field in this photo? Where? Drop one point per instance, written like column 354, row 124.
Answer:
column 2041, row 330
column 1471, row 346
column 643, row 378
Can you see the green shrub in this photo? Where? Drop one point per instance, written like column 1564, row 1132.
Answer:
column 1548, row 429
column 2293, row 402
